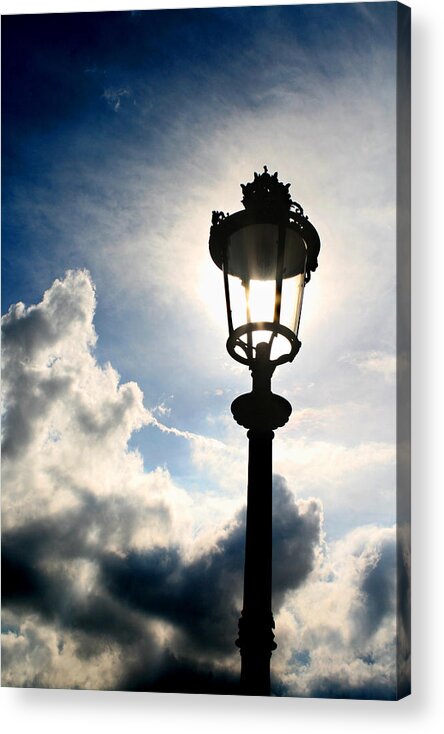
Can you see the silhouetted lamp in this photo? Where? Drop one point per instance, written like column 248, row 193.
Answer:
column 267, row 253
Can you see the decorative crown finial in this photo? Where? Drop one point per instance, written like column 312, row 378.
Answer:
column 267, row 193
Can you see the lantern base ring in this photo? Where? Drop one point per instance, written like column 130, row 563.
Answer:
column 235, row 341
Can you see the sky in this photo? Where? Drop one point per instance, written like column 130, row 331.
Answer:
column 123, row 471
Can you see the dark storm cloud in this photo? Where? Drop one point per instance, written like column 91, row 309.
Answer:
column 37, row 578
column 295, row 537
column 201, row 599
column 178, row 674
column 379, row 588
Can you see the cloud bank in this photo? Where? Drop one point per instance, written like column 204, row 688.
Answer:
column 105, row 584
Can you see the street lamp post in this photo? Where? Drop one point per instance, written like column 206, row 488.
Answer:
column 267, row 253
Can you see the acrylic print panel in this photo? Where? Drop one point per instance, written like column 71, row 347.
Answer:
column 124, row 473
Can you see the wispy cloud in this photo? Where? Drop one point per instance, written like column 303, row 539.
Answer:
column 161, row 409
column 114, row 96
column 378, row 363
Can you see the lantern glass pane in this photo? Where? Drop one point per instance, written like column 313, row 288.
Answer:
column 291, row 303
column 238, row 302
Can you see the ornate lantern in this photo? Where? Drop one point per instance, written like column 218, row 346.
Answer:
column 267, row 253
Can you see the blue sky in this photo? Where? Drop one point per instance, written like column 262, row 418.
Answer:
column 121, row 133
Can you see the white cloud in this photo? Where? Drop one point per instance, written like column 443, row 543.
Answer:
column 354, row 477
column 37, row 655
column 161, row 409
column 329, row 462
column 68, row 421
column 338, row 633
column 380, row 363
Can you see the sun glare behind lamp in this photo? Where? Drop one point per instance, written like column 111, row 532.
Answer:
column 267, row 253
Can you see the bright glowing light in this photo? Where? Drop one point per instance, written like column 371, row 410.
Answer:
column 260, row 300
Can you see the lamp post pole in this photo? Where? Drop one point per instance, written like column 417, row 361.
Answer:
column 256, row 638
column 261, row 412
column 270, row 243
